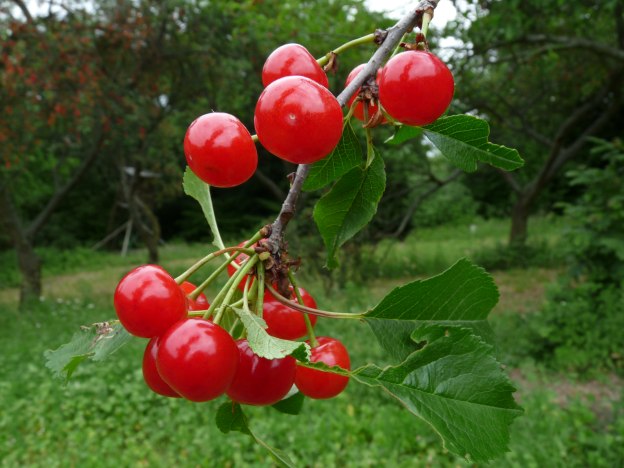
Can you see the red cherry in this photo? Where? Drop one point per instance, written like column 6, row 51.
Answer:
column 201, row 303
column 261, row 381
column 283, row 321
column 416, row 87
column 148, row 301
column 318, row 384
column 298, row 120
column 292, row 60
column 197, row 358
column 239, row 259
column 150, row 373
column 219, row 150
column 358, row 112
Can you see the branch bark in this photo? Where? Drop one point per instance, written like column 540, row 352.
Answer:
column 393, row 38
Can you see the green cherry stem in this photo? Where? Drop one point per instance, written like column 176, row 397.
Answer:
column 259, row 306
column 427, row 17
column 230, row 288
column 398, row 48
column 308, row 310
column 347, row 45
column 370, row 149
column 306, row 318
column 187, row 274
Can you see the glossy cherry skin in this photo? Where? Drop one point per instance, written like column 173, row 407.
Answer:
column 201, row 303
column 416, row 87
column 298, row 120
column 292, row 60
column 283, row 321
column 197, row 358
column 150, row 373
column 239, row 259
column 219, row 150
column 318, row 384
column 260, row 381
column 358, row 112
column 148, row 301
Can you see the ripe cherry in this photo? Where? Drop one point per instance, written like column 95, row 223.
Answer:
column 298, row 120
column 148, row 301
column 219, row 150
column 150, row 373
column 415, row 87
column 197, row 358
column 261, row 381
column 358, row 112
column 239, row 260
column 318, row 384
column 283, row 321
column 201, row 303
column 292, row 60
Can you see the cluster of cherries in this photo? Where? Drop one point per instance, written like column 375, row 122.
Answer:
column 194, row 358
column 299, row 120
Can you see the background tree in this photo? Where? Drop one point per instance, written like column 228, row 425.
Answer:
column 544, row 82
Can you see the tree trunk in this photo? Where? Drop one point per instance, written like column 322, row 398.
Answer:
column 519, row 223
column 30, row 267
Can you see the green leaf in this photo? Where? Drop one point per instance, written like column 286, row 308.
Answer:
column 349, row 206
column 291, row 405
column 230, row 417
column 463, row 140
column 200, row 191
column 267, row 346
column 462, row 295
column 404, row 133
column 346, row 156
column 96, row 342
column 456, row 385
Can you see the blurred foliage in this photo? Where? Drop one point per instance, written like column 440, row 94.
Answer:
column 580, row 327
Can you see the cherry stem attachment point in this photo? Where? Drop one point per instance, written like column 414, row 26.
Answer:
column 347, row 45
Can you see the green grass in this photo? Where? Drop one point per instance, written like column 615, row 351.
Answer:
column 106, row 416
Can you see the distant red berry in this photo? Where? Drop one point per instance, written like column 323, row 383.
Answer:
column 292, row 60
column 201, row 303
column 286, row 322
column 358, row 112
column 150, row 373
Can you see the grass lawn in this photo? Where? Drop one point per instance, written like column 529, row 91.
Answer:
column 106, row 416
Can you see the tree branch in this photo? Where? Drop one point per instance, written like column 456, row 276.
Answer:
column 393, row 38
column 568, row 42
column 438, row 184
column 58, row 196
column 24, row 9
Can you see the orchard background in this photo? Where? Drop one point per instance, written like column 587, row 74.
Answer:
column 94, row 104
